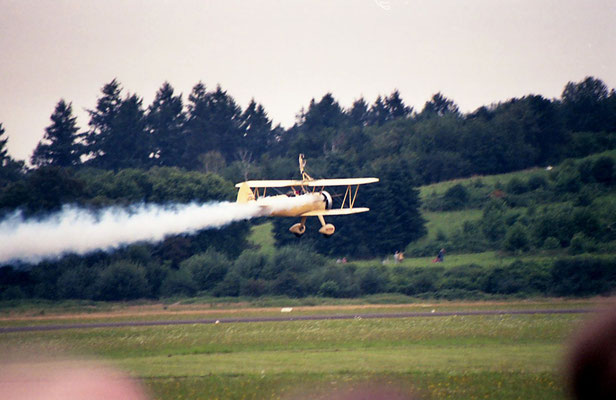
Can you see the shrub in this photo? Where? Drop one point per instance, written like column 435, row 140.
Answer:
column 516, row 186
column 250, row 264
column 178, row 283
column 455, row 197
column 122, row 280
column 373, row 280
column 580, row 243
column 581, row 276
column 551, row 243
column 206, row 269
column 516, row 238
column 329, row 289
column 603, row 170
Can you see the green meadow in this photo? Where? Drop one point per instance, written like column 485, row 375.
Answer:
column 458, row 357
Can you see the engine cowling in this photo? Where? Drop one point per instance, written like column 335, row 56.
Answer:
column 327, row 198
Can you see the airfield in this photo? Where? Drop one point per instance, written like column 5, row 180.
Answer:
column 437, row 350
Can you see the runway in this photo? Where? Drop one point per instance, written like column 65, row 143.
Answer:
column 55, row 327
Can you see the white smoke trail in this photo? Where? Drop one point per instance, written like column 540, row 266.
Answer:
column 80, row 231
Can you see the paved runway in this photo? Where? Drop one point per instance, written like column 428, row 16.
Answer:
column 56, row 327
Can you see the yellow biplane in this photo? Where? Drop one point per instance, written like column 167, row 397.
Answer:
column 310, row 200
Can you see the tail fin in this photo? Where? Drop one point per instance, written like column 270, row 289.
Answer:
column 244, row 194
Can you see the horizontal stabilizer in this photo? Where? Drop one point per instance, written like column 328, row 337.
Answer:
column 339, row 211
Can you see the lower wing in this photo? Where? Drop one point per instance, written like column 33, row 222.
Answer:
column 340, row 211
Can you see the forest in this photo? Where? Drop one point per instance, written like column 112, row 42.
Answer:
column 179, row 150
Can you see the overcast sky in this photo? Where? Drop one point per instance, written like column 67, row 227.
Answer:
column 284, row 53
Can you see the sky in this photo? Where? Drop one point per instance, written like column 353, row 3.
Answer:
column 283, row 53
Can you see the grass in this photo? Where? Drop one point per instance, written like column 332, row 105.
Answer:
column 483, row 180
column 462, row 357
column 448, row 222
column 261, row 236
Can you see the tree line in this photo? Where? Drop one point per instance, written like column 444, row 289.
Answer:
column 211, row 132
column 176, row 151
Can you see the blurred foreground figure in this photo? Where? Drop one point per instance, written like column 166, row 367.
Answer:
column 66, row 380
column 591, row 367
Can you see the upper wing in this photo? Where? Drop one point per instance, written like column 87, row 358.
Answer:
column 338, row 211
column 341, row 182
column 316, row 182
column 271, row 184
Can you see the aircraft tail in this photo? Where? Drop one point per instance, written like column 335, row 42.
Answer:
column 244, row 194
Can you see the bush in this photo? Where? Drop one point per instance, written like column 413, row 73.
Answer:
column 122, row 280
column 516, row 239
column 250, row 264
column 581, row 243
column 537, row 182
column 455, row 197
column 207, row 269
column 603, row 170
column 582, row 276
column 329, row 289
column 373, row 280
column 178, row 283
column 551, row 243
column 516, row 186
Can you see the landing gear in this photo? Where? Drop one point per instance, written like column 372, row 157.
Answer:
column 326, row 229
column 299, row 228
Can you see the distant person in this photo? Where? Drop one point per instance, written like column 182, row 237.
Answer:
column 440, row 257
column 398, row 256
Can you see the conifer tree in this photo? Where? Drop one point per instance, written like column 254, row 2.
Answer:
column 165, row 125
column 256, row 129
column 59, row 147
column 4, row 153
column 213, row 124
column 378, row 112
column 117, row 137
column 359, row 114
column 99, row 139
column 396, row 107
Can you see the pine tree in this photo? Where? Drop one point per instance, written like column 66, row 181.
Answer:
column 10, row 170
column 256, row 129
column 4, row 152
column 378, row 112
column 98, row 139
column 59, row 146
column 396, row 107
column 439, row 106
column 131, row 144
column 165, row 125
column 213, row 124
column 117, row 137
column 359, row 114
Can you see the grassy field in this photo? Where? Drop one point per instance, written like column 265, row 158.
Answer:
column 461, row 357
column 487, row 258
column 261, row 237
column 489, row 180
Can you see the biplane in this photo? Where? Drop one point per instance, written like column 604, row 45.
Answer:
column 312, row 199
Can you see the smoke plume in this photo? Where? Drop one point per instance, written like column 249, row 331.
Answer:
column 77, row 230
